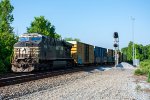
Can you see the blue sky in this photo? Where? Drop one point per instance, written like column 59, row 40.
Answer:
column 92, row 21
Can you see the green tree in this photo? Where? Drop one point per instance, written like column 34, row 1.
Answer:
column 7, row 37
column 139, row 52
column 124, row 50
column 146, row 51
column 6, row 18
column 130, row 51
column 76, row 39
column 68, row 39
column 57, row 36
column 71, row 39
column 42, row 26
column 142, row 52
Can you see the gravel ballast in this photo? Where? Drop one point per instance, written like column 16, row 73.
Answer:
column 112, row 84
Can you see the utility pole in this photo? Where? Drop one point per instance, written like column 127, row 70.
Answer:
column 133, row 49
column 116, row 46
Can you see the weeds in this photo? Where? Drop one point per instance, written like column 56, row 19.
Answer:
column 144, row 68
column 138, row 88
column 148, row 79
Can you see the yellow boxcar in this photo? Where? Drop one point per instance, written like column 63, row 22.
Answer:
column 82, row 53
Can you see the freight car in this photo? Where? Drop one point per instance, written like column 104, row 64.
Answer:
column 110, row 56
column 122, row 57
column 100, row 55
column 37, row 52
column 82, row 53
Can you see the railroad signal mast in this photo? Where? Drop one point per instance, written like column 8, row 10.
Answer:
column 116, row 46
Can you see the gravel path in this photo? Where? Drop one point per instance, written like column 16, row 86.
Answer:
column 113, row 84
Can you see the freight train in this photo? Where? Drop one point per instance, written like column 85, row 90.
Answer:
column 34, row 51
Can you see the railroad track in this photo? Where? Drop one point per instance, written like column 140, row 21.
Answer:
column 16, row 79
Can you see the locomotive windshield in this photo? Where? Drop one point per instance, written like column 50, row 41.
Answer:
column 24, row 39
column 33, row 39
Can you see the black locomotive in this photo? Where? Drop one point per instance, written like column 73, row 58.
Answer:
column 37, row 52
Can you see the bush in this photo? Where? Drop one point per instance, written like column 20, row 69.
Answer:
column 7, row 41
column 148, row 79
column 138, row 72
column 144, row 69
column 145, row 66
column 2, row 67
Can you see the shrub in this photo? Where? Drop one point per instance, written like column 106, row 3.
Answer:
column 144, row 68
column 138, row 72
column 2, row 67
column 148, row 79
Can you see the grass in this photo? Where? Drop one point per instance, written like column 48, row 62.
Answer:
column 148, row 79
column 144, row 69
column 138, row 72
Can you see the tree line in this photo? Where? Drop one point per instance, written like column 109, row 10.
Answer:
column 7, row 36
column 142, row 52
